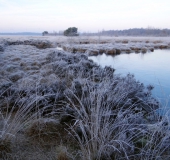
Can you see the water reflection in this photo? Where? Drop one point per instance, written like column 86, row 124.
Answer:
column 149, row 68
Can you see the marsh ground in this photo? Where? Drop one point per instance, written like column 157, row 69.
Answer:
column 59, row 105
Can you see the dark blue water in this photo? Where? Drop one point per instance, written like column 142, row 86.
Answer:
column 149, row 68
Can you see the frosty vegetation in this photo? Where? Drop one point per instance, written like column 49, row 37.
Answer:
column 59, row 105
column 114, row 47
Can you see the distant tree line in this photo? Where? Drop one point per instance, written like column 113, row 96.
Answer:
column 137, row 32
column 150, row 31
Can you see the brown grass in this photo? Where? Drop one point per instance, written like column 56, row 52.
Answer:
column 125, row 41
column 44, row 130
column 62, row 156
column 62, row 153
column 5, row 147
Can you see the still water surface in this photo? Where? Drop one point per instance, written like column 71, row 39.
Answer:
column 149, row 68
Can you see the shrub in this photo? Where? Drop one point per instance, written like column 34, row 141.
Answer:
column 72, row 31
column 45, row 33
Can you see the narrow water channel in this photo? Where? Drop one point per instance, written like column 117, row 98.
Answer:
column 149, row 68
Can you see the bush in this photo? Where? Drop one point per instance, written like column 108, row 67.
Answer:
column 72, row 31
column 44, row 33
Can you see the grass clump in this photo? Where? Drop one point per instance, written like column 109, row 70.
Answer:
column 103, row 129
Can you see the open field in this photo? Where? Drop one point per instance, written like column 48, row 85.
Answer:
column 58, row 105
column 94, row 45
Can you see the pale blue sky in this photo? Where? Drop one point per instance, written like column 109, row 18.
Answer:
column 86, row 15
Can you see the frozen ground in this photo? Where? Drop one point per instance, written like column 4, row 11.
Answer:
column 45, row 92
column 94, row 45
column 91, row 39
column 23, row 64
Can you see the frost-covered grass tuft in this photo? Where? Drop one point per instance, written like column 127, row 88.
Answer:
column 108, row 121
column 13, row 120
